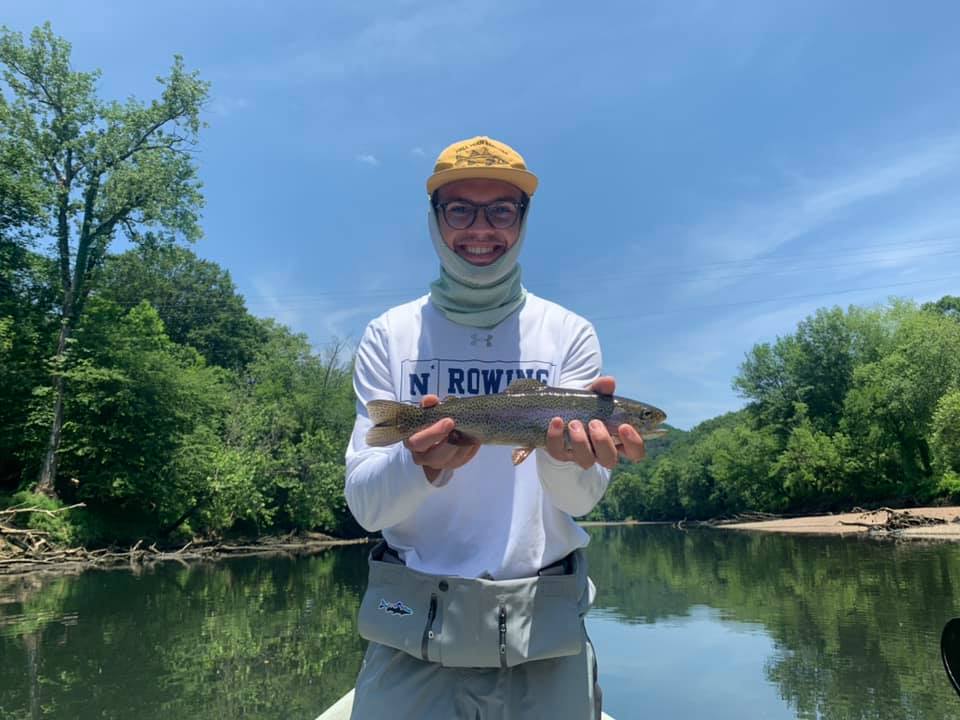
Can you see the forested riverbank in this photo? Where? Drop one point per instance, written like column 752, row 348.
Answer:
column 183, row 414
column 136, row 382
column 856, row 407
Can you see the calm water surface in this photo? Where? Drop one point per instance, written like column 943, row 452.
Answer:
column 687, row 624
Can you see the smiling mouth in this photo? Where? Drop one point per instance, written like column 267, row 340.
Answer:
column 480, row 253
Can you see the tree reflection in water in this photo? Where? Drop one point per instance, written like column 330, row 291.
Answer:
column 855, row 625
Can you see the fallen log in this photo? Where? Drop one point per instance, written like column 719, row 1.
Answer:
column 16, row 510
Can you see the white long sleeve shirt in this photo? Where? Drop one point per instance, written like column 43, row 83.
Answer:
column 490, row 518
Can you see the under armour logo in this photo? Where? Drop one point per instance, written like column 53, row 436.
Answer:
column 476, row 339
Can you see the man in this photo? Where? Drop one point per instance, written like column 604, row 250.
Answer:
column 476, row 596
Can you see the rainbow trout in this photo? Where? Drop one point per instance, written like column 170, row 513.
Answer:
column 518, row 417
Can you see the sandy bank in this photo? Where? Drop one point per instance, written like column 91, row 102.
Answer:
column 875, row 522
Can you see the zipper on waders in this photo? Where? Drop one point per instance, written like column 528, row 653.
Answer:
column 428, row 630
column 503, row 636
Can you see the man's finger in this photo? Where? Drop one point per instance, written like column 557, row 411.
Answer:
column 633, row 445
column 438, row 457
column 604, row 385
column 580, row 445
column 603, row 446
column 430, row 436
column 429, row 401
column 555, row 444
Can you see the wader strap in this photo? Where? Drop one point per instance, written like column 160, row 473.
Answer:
column 385, row 553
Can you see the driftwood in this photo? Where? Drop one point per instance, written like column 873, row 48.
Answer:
column 16, row 509
column 24, row 548
column 743, row 517
column 26, row 540
column 37, row 553
column 895, row 521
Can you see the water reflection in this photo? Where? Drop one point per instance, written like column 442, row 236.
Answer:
column 853, row 624
column 696, row 624
column 247, row 638
column 697, row 666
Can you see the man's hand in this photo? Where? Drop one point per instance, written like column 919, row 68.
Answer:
column 431, row 448
column 594, row 444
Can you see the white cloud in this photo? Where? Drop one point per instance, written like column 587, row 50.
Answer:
column 403, row 36
column 881, row 179
column 269, row 302
column 753, row 230
column 418, row 151
column 368, row 159
column 325, row 316
column 224, row 105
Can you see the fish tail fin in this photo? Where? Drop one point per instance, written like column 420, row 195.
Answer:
column 386, row 416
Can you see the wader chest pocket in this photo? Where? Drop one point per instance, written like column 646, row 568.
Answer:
column 473, row 622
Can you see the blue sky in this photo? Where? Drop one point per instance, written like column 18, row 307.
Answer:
column 711, row 172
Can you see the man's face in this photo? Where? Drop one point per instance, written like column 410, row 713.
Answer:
column 481, row 243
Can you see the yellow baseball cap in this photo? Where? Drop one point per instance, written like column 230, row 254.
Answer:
column 481, row 157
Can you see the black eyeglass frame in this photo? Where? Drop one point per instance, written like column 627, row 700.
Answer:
column 521, row 209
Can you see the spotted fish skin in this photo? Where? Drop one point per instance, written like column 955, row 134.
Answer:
column 518, row 417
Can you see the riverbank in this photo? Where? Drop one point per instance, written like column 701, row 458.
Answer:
column 932, row 523
column 17, row 561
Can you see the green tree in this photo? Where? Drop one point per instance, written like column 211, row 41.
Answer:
column 764, row 378
column 195, row 298
column 23, row 304
column 22, row 194
column 26, row 329
column 139, row 403
column 893, row 400
column 945, row 443
column 814, row 366
column 740, row 463
column 295, row 413
column 814, row 467
column 948, row 306
column 110, row 168
column 664, row 500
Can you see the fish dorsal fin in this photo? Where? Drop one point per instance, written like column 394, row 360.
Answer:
column 525, row 385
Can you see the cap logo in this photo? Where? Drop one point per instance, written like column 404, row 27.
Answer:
column 478, row 154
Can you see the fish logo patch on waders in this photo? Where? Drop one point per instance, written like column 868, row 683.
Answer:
column 395, row 608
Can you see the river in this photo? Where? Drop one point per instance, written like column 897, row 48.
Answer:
column 698, row 623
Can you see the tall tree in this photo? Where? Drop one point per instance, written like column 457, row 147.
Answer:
column 195, row 298
column 113, row 168
column 138, row 403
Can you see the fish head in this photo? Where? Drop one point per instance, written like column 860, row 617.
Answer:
column 643, row 417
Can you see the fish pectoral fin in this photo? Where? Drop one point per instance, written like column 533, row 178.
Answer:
column 521, row 453
column 525, row 385
column 458, row 437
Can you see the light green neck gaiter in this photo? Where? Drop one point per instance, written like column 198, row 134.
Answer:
column 476, row 296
